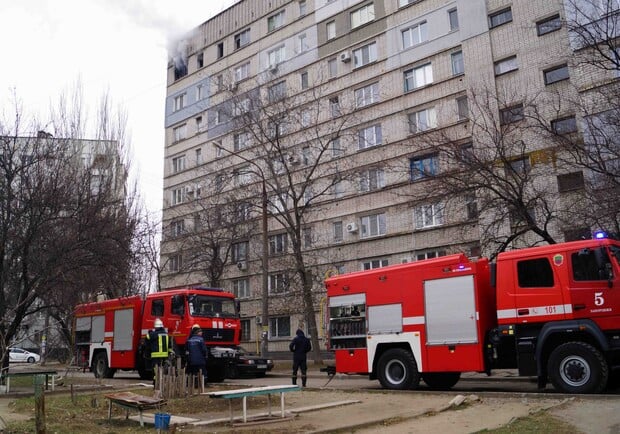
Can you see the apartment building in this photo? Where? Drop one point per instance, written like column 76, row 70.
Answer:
column 326, row 121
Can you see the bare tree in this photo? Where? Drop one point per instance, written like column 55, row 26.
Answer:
column 66, row 229
column 285, row 158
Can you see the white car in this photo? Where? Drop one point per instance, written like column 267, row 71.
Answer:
column 21, row 355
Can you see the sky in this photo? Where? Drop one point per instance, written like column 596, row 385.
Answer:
column 114, row 46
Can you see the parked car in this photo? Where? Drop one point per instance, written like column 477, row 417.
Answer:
column 21, row 355
column 249, row 364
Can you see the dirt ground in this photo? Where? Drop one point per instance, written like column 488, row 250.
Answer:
column 393, row 412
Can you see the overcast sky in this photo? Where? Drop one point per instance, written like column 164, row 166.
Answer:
column 120, row 46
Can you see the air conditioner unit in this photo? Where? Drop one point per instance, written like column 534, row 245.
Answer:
column 242, row 265
column 273, row 68
column 352, row 227
column 345, row 57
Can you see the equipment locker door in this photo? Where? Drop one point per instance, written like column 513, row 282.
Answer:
column 123, row 330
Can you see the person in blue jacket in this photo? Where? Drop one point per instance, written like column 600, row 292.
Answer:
column 196, row 353
column 300, row 346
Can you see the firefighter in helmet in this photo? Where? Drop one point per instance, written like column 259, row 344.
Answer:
column 159, row 343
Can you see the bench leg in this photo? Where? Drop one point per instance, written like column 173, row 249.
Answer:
column 110, row 410
column 282, row 403
column 269, row 403
column 141, row 419
column 8, row 384
column 245, row 409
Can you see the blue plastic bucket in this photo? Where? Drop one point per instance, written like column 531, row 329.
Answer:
column 162, row 420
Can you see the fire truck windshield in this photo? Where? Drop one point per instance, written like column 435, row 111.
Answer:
column 209, row 306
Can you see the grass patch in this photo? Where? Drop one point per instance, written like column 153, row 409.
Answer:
column 89, row 412
column 538, row 423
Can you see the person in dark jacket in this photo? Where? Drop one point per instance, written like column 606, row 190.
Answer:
column 196, row 353
column 300, row 346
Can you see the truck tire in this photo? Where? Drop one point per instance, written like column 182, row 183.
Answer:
column 100, row 366
column 145, row 374
column 398, row 370
column 441, row 380
column 577, row 367
column 216, row 374
column 232, row 372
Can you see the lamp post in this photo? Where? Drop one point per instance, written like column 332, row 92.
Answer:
column 264, row 258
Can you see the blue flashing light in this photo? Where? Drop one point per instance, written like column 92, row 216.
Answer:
column 599, row 235
column 461, row 267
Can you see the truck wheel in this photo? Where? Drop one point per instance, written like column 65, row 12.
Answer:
column 578, row 367
column 232, row 372
column 397, row 369
column 145, row 374
column 216, row 375
column 100, row 366
column 441, row 380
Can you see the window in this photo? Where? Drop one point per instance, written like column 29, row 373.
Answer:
column 243, row 211
column 303, row 43
column 365, row 55
column 219, row 151
column 369, row 137
column 511, row 114
column 331, row 30
column 458, row 67
column 570, row 182
column 338, row 232
column 277, row 91
column 241, row 288
column 498, row 18
column 334, row 107
column 590, row 265
column 417, row 77
column 157, row 308
column 242, row 71
column 423, row 167
column 220, row 50
column 278, row 244
column 374, row 263
column 177, row 228
column 240, row 141
column 506, row 65
column 176, row 262
column 427, row 216
column 362, row 15
column 302, row 8
column 278, row 283
column 242, row 38
column 535, row 273
column 430, row 255
column 305, row 155
column 471, row 205
column 556, row 74
column 564, row 125
column 276, row 56
column 334, row 144
column 239, row 251
column 306, row 118
column 332, row 67
column 367, row 95
column 275, row 21
column 178, row 164
column 179, row 102
column 372, row 179
column 304, row 79
column 200, row 92
column 280, row 327
column 179, row 132
column 462, row 108
column 402, row 3
column 415, row 35
column 178, row 196
column 218, row 117
column 200, row 60
column 219, row 82
column 307, row 236
column 520, row 166
column 548, row 25
column 422, row 120
column 338, row 189
column 200, row 125
column 198, row 156
column 373, row 225
column 246, row 329
column 242, row 176
column 466, row 153
column 453, row 17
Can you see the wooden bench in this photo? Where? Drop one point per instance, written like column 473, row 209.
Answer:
column 254, row 391
column 133, row 401
column 48, row 374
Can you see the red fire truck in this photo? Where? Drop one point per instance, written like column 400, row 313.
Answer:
column 552, row 312
column 109, row 334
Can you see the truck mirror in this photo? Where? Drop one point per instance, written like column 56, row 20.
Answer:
column 610, row 275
